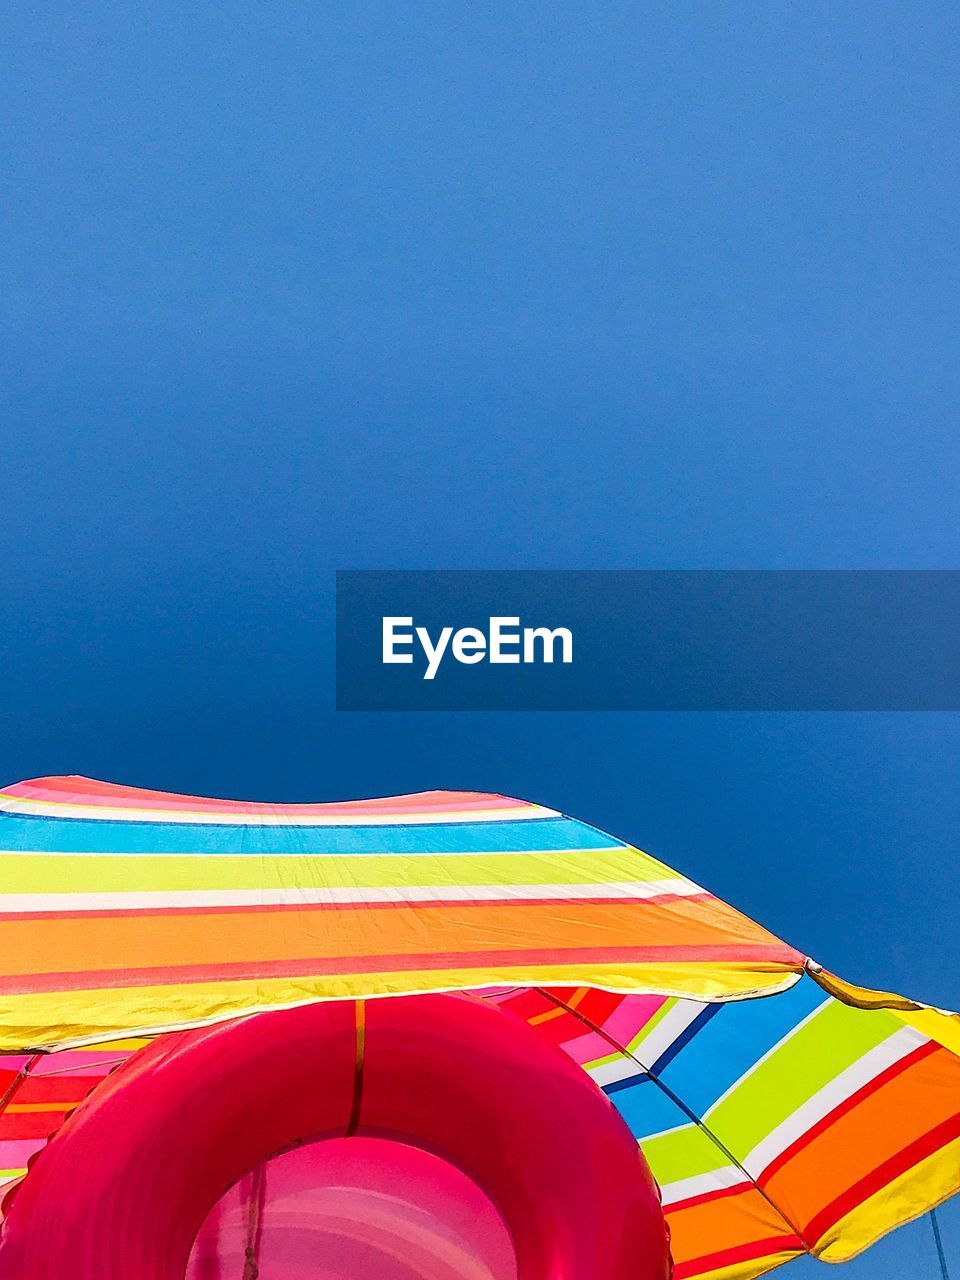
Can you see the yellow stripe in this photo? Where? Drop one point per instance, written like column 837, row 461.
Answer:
column 93, row 873
column 939, row 1024
column 129, row 1045
column 942, row 1027
column 360, row 1014
column 749, row 1270
column 910, row 1196
column 61, row 1019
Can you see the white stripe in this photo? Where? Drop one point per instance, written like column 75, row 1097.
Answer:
column 650, row 1045
column 308, row 894
column 610, row 1072
column 257, row 818
column 701, row 1183
column 844, row 1086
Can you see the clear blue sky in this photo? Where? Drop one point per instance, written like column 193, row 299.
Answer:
column 287, row 289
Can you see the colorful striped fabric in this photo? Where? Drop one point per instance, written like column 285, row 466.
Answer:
column 796, row 1124
column 777, row 1127
column 38, row 1092
column 128, row 912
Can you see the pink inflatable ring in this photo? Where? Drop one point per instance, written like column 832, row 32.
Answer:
column 123, row 1189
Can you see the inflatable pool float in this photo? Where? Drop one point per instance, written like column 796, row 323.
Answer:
column 125, row 1188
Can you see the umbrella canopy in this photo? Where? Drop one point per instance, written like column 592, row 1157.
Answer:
column 126, row 911
column 811, row 1121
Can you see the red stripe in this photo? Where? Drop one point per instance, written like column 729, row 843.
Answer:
column 889, row 1073
column 164, row 975
column 66, row 1089
column 19, row 1126
column 880, row 1177
column 420, row 903
column 739, row 1253
column 718, row 1193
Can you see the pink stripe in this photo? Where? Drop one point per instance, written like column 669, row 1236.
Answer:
column 14, row 1061
column 81, row 1061
column 587, row 1048
column 88, row 792
column 15, row 1152
column 627, row 1021
column 623, row 1025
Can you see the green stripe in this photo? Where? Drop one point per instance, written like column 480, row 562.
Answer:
column 682, row 1154
column 834, row 1039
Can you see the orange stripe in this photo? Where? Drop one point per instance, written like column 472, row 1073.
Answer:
column 753, row 960
column 714, row 1226
column 939, row 1139
column 849, row 1104
column 360, row 1016
column 886, row 1122
column 559, row 1012
column 16, row 1107
column 88, row 943
column 763, row 1254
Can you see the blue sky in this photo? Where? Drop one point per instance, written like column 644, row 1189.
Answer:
column 289, row 289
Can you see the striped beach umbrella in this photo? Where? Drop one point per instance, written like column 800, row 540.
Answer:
column 811, row 1120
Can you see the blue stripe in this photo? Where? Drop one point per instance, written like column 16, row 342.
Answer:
column 684, row 1038
column 732, row 1041
column 644, row 1106
column 25, row 833
column 627, row 1083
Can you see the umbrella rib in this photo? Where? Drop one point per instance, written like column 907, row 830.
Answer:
column 687, row 1111
column 939, row 1242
